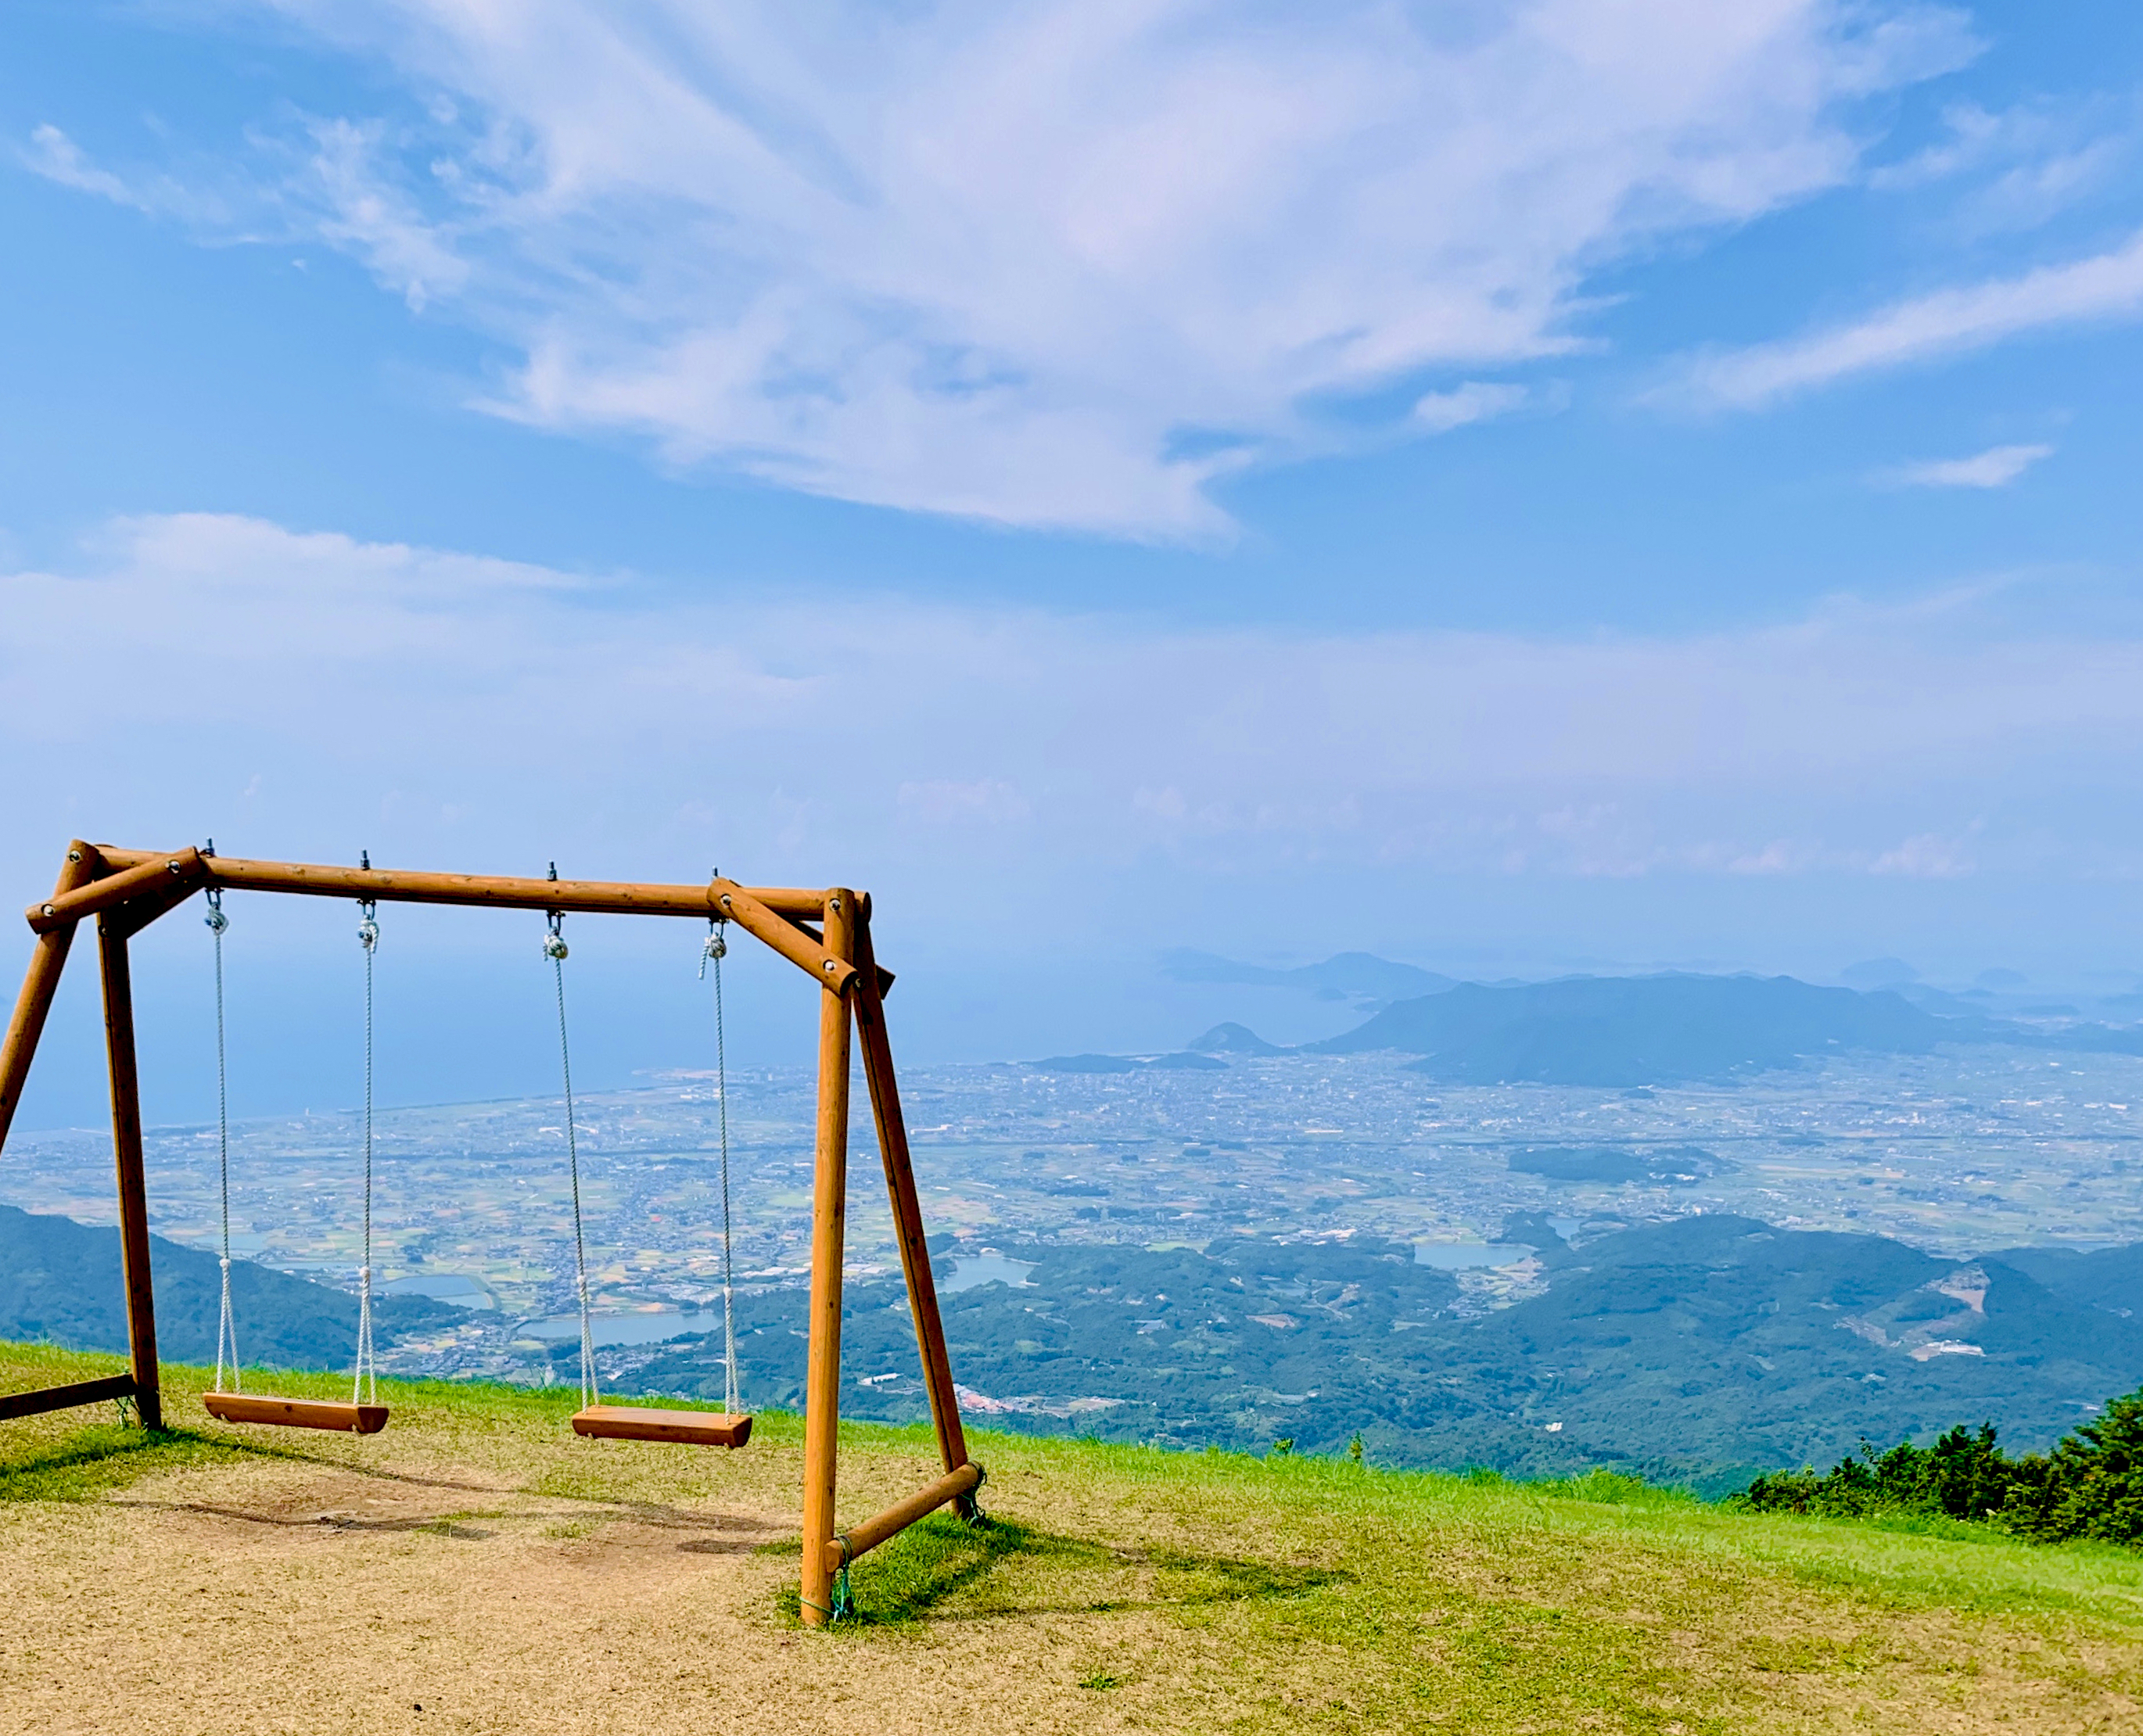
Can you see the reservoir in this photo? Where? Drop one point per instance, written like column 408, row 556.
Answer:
column 1460, row 1256
column 972, row 1271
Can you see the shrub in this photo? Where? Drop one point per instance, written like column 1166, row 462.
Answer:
column 2090, row 1485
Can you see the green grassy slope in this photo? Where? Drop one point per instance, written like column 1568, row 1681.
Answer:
column 1324, row 1594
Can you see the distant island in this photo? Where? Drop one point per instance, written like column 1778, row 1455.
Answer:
column 1672, row 1028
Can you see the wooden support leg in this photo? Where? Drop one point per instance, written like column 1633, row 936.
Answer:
column 39, row 983
column 908, row 1211
column 822, row 1385
column 126, row 1156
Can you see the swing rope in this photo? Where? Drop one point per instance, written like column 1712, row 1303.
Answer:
column 366, row 1379
column 717, row 948
column 554, row 949
column 227, row 1325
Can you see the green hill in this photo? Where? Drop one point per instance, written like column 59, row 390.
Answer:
column 1701, row 1350
column 59, row 1282
column 477, row 1568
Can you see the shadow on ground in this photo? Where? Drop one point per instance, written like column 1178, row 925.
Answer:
column 945, row 1569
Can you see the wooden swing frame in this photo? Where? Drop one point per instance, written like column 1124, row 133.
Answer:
column 126, row 890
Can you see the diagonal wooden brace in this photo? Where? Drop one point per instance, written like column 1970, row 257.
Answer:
column 64, row 909
column 908, row 1228
column 786, row 938
column 954, row 1486
column 27, row 1023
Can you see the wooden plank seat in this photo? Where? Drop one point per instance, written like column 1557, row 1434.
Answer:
column 638, row 1422
column 348, row 1419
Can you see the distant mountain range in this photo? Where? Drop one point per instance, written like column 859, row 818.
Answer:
column 1672, row 1028
column 1615, row 1031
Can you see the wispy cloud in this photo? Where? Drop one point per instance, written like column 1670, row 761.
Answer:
column 2103, row 287
column 1476, row 401
column 57, row 157
column 1996, row 468
column 995, row 260
column 2019, row 167
column 467, row 708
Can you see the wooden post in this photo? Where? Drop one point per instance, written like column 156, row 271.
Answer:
column 127, row 1157
column 39, row 983
column 822, row 1391
column 907, row 1209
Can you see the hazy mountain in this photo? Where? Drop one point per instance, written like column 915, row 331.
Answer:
column 1611, row 1031
column 60, row 1284
column 1344, row 977
column 1232, row 1040
column 1179, row 1062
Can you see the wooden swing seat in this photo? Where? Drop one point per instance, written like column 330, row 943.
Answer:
column 638, row 1422
column 348, row 1419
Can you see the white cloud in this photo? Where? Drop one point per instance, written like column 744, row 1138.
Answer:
column 1996, row 468
column 281, row 688
column 1926, row 856
column 1476, row 401
column 2105, row 286
column 1001, row 261
column 57, row 157
column 2020, row 166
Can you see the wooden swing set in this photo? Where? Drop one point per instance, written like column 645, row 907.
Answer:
column 826, row 934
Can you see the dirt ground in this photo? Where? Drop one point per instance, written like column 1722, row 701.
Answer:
column 458, row 1575
column 295, row 1595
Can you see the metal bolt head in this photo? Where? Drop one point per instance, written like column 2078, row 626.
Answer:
column 48, row 910
column 74, row 855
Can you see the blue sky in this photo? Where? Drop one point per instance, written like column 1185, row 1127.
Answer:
column 1519, row 487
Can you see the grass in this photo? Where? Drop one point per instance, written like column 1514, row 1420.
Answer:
column 1139, row 1587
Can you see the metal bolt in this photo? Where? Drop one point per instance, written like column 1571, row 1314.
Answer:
column 172, row 866
column 74, row 855
column 48, row 910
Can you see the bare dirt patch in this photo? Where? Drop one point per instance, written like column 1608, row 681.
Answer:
column 482, row 1564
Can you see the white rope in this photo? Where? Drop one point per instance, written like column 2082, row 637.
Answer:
column 717, row 949
column 554, row 949
column 367, row 1375
column 227, row 1325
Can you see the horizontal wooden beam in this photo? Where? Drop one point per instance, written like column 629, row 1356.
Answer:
column 773, row 914
column 63, row 1399
column 897, row 1518
column 151, row 873
column 505, row 892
